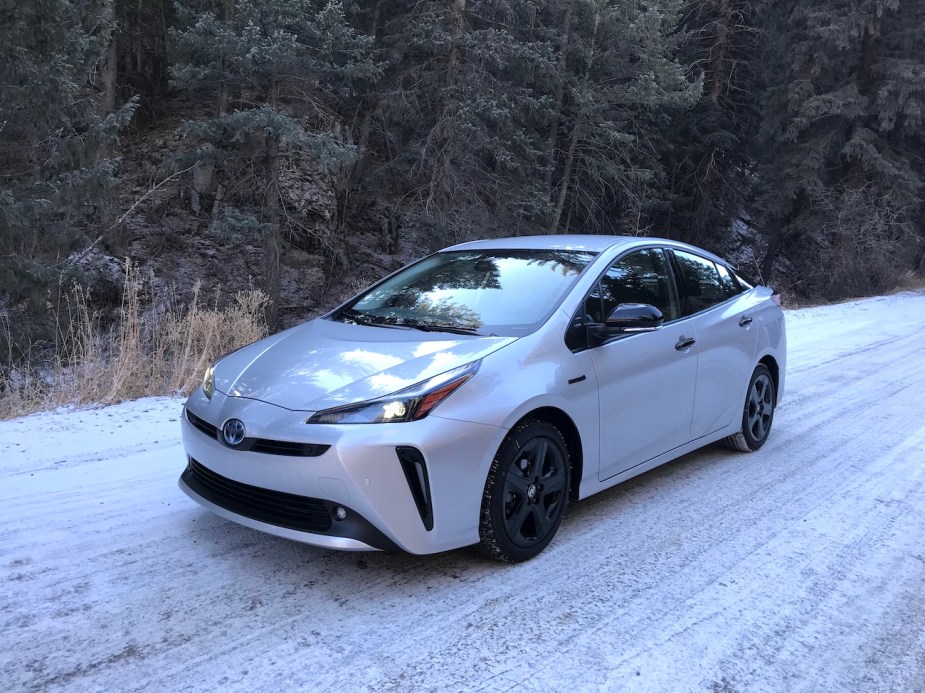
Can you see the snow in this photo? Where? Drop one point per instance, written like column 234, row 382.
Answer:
column 798, row 568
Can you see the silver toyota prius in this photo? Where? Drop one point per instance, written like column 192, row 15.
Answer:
column 469, row 397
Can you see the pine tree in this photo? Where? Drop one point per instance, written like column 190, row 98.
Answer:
column 463, row 100
column 841, row 178
column 622, row 86
column 140, row 52
column 708, row 158
column 55, row 133
column 523, row 114
column 277, row 69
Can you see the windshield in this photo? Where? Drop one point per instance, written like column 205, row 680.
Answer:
column 500, row 292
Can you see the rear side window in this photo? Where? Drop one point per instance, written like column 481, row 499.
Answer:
column 702, row 286
column 746, row 285
column 729, row 284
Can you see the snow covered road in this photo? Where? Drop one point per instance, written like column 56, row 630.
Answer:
column 798, row 568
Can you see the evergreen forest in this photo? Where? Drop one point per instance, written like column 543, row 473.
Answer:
column 306, row 147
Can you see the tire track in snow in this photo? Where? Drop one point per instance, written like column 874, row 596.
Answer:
column 797, row 568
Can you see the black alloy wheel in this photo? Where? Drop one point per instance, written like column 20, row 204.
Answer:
column 758, row 414
column 526, row 492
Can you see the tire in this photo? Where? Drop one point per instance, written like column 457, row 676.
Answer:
column 758, row 414
column 526, row 492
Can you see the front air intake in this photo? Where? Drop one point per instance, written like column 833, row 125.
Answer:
column 273, row 507
column 415, row 468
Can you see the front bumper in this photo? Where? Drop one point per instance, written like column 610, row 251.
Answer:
column 282, row 513
column 359, row 471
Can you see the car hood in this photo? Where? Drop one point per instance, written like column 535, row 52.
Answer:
column 324, row 363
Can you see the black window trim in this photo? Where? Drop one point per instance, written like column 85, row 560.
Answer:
column 669, row 258
column 679, row 277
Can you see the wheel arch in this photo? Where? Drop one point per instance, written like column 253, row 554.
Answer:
column 569, row 431
column 771, row 364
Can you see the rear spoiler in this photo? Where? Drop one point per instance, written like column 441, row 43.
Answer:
column 748, row 281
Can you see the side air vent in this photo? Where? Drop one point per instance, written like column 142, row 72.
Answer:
column 415, row 468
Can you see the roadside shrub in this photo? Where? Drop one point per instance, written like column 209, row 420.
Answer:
column 859, row 246
column 154, row 347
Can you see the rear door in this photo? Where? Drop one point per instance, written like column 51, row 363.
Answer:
column 722, row 319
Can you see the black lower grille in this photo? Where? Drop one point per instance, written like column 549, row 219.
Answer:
column 273, row 507
column 283, row 509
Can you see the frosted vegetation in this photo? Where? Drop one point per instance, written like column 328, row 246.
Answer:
column 302, row 148
column 160, row 350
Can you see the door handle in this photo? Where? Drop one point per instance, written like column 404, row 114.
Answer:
column 745, row 321
column 685, row 343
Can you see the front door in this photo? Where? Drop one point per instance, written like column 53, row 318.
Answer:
column 646, row 381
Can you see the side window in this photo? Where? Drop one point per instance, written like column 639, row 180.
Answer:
column 745, row 286
column 594, row 310
column 643, row 277
column 729, row 284
column 701, row 284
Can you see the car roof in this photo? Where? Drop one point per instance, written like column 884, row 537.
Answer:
column 558, row 242
column 589, row 242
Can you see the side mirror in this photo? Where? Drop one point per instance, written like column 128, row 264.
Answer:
column 635, row 317
column 629, row 318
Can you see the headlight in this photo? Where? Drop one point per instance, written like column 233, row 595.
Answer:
column 410, row 404
column 208, row 382
column 208, row 379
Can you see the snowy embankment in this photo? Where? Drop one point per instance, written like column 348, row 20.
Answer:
column 798, row 568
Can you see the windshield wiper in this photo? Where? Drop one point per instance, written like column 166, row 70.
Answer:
column 361, row 318
column 367, row 319
column 428, row 327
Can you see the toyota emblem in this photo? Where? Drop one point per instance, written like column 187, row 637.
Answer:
column 233, row 432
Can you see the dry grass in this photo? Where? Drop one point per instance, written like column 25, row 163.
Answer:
column 910, row 281
column 156, row 347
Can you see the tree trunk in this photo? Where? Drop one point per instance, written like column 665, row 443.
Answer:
column 566, row 179
column 870, row 56
column 773, row 232
column 445, row 152
column 142, row 52
column 717, row 77
column 458, row 21
column 576, row 131
column 703, row 202
column 270, row 213
column 367, row 108
column 109, row 67
column 559, row 96
column 223, row 89
column 853, row 174
column 271, row 238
